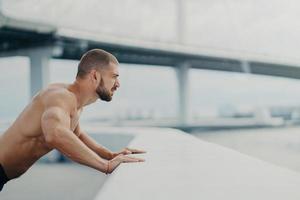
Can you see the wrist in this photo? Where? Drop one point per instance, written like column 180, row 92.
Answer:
column 112, row 155
column 107, row 167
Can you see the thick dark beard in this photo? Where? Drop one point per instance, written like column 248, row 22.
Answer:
column 103, row 93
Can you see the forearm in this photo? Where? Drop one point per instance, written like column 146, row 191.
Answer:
column 72, row 147
column 97, row 148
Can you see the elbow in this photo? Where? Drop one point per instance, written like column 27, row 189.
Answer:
column 51, row 139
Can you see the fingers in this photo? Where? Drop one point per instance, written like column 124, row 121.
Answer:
column 124, row 152
column 135, row 151
column 128, row 159
column 127, row 151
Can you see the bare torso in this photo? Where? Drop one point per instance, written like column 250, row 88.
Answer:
column 23, row 143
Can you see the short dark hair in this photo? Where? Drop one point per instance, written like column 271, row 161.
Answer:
column 94, row 59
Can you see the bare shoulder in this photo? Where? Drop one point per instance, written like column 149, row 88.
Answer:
column 57, row 95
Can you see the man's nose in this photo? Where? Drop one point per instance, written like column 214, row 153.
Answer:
column 118, row 84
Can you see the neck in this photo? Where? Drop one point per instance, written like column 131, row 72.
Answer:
column 83, row 94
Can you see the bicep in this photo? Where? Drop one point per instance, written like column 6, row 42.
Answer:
column 53, row 119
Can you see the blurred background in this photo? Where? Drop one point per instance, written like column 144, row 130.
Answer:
column 224, row 71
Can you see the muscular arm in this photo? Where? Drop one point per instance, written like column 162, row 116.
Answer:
column 101, row 150
column 55, row 124
column 96, row 147
column 56, row 128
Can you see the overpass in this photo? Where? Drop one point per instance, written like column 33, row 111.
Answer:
column 41, row 42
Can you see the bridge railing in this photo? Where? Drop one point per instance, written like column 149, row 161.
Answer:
column 180, row 166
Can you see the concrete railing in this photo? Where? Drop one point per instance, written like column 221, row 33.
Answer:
column 179, row 166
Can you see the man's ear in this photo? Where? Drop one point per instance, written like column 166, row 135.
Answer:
column 96, row 76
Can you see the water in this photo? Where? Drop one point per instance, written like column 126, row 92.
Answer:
column 280, row 146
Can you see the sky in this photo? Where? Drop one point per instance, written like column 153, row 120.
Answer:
column 249, row 29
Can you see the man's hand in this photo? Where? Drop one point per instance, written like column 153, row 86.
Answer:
column 121, row 158
column 127, row 151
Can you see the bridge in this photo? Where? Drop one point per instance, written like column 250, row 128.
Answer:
column 41, row 42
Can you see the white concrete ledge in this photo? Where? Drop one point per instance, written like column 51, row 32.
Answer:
column 179, row 166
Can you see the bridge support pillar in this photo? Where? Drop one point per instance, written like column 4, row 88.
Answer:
column 183, row 92
column 39, row 69
column 246, row 68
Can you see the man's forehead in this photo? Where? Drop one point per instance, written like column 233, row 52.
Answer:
column 114, row 69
